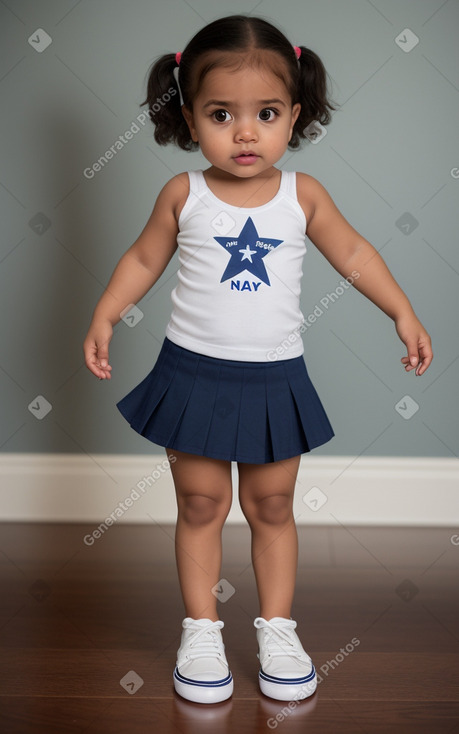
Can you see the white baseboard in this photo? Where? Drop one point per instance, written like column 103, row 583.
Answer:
column 139, row 489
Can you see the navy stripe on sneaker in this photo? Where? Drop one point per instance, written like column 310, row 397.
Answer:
column 288, row 681
column 203, row 683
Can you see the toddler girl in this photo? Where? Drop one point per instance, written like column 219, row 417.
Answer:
column 230, row 382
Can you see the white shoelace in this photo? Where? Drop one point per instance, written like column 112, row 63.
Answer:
column 209, row 643
column 280, row 641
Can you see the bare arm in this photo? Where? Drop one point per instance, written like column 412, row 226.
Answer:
column 136, row 272
column 348, row 251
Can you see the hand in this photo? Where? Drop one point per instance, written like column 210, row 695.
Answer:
column 95, row 349
column 418, row 344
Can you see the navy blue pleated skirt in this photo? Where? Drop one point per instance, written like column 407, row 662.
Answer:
column 252, row 412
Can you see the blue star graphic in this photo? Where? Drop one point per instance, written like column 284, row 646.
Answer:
column 247, row 252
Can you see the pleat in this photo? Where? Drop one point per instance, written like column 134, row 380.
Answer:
column 253, row 442
column 139, row 403
column 164, row 422
column 287, row 435
column 222, row 434
column 312, row 416
column 237, row 411
column 195, row 423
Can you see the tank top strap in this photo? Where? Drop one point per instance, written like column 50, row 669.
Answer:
column 198, row 184
column 288, row 184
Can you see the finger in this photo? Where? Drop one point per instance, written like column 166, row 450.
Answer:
column 426, row 356
column 102, row 355
column 407, row 364
column 103, row 373
column 413, row 357
column 425, row 362
column 92, row 362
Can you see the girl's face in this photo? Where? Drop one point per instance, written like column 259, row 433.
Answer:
column 245, row 111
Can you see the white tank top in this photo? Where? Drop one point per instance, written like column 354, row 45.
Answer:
column 238, row 287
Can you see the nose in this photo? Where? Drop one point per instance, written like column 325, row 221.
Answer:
column 246, row 131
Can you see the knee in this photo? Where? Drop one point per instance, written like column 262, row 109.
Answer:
column 198, row 509
column 275, row 509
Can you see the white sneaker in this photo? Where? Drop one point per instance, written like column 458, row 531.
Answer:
column 286, row 670
column 202, row 673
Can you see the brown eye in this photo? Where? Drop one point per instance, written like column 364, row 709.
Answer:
column 265, row 115
column 220, row 115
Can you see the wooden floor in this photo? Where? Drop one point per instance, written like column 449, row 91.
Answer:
column 89, row 633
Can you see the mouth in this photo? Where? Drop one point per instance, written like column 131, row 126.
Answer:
column 246, row 157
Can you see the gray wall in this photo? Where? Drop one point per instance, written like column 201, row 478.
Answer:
column 390, row 150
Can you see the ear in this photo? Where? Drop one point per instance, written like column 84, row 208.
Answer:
column 188, row 115
column 296, row 109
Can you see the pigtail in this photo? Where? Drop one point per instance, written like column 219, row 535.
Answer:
column 164, row 107
column 312, row 95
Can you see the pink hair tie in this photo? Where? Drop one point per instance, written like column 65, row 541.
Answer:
column 297, row 50
column 178, row 56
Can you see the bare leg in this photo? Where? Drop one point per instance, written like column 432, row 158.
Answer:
column 266, row 499
column 204, row 495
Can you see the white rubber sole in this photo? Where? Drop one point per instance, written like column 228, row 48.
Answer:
column 203, row 691
column 287, row 689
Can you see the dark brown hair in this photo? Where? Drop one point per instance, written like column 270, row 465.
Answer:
column 233, row 41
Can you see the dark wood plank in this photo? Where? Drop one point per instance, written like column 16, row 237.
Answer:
column 25, row 715
column 75, row 619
